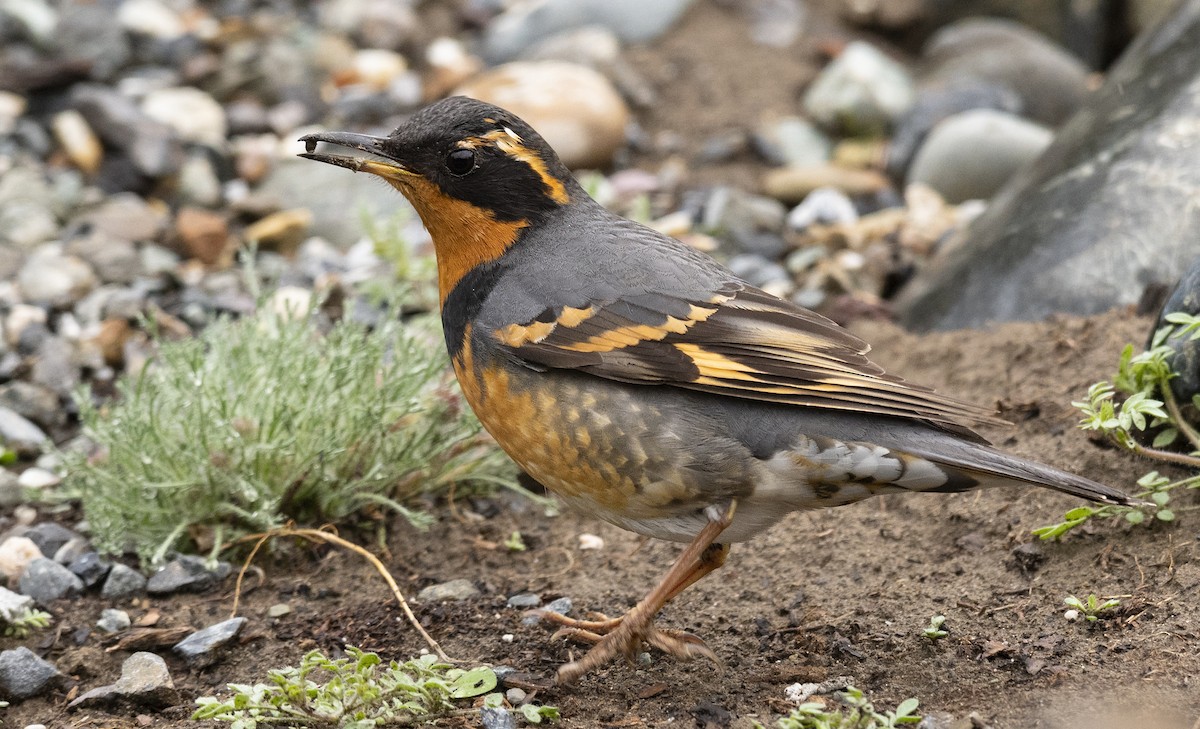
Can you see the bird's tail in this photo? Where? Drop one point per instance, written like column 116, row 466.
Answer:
column 986, row 466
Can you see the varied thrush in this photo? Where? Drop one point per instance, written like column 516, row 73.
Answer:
column 641, row 381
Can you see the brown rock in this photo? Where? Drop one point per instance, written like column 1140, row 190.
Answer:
column 792, row 184
column 583, row 118
column 204, row 235
column 111, row 340
column 283, row 231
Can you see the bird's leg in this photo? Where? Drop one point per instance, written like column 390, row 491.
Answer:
column 623, row 636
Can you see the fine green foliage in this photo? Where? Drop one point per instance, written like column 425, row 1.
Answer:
column 855, row 713
column 358, row 692
column 934, row 630
column 262, row 421
column 26, row 622
column 1141, row 379
column 515, row 542
column 1091, row 607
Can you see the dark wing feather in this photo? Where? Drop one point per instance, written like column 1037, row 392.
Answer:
column 659, row 312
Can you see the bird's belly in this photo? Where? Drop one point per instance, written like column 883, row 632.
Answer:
column 608, row 450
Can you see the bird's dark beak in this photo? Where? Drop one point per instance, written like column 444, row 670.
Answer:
column 387, row 168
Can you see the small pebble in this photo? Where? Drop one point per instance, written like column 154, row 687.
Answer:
column 113, row 620
column 38, row 478
column 122, row 581
column 452, row 591
column 278, row 610
column 515, row 695
column 525, row 600
column 508, row 638
column 497, row 719
column 198, row 648
column 590, row 541
column 1071, row 615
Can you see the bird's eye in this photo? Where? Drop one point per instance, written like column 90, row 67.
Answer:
column 460, row 161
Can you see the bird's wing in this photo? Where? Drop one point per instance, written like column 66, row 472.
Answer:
column 724, row 337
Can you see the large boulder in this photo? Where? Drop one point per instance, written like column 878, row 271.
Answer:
column 1106, row 210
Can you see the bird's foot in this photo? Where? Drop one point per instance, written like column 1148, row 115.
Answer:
column 612, row 638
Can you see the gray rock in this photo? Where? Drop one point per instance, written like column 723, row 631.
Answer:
column 309, row 186
column 87, row 33
column 24, row 674
column 792, row 141
column 823, row 206
column 1099, row 214
column 562, row 606
column 525, row 600
column 122, row 581
column 26, row 207
column 91, row 568
column 452, row 591
column 114, row 260
column 526, row 23
column 19, row 434
column 861, row 92
column 145, row 682
column 125, row 216
column 279, row 610
column 969, row 156
column 186, row 573
column 113, row 620
column 72, row 550
column 151, row 146
column 936, row 102
column 13, row 604
column 1051, row 83
column 198, row 182
column 1184, row 299
column 55, row 367
column 49, row 536
column 192, row 113
column 31, row 401
column 46, row 581
column 52, row 277
column 497, row 718
column 775, row 23
column 157, row 260
column 199, row 647
column 748, row 223
column 761, row 272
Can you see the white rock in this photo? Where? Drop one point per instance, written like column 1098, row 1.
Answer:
column 150, row 18
column 575, row 108
column 193, row 114
column 12, row 106
column 590, row 541
column 38, row 478
column 54, row 278
column 377, row 67
column 20, row 317
column 15, row 554
column 862, row 90
column 13, row 604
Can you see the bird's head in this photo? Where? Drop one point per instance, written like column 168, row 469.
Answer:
column 476, row 174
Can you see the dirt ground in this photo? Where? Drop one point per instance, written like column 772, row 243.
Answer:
column 841, row 592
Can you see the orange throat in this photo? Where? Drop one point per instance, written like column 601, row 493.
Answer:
column 464, row 236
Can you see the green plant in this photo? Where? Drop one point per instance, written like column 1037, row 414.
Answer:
column 515, row 542
column 26, row 622
column 262, row 421
column 855, row 713
column 1089, row 608
column 1142, row 379
column 357, row 692
column 934, row 631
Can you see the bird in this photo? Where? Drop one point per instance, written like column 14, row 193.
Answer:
column 645, row 384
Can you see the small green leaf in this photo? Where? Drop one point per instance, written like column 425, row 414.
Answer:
column 531, row 714
column 1135, row 517
column 1160, row 497
column 1164, row 515
column 906, row 707
column 474, row 682
column 1081, row 512
column 1165, row 437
